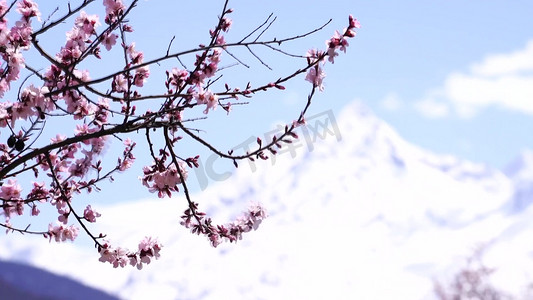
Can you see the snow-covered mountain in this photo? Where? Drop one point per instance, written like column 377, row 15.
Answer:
column 358, row 213
column 521, row 173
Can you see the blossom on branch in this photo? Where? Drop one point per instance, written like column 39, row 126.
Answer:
column 120, row 257
column 90, row 215
column 117, row 102
column 109, row 40
column 208, row 98
column 61, row 233
column 164, row 180
column 316, row 76
column 28, row 9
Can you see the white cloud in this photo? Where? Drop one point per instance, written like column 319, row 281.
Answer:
column 391, row 102
column 470, row 93
column 432, row 108
column 503, row 80
column 506, row 64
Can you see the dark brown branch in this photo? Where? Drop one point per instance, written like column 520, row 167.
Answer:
column 67, row 200
column 121, row 128
column 60, row 20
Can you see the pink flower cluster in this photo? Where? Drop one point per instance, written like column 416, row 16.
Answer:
column 148, row 248
column 126, row 162
column 207, row 63
column 28, row 9
column 141, row 73
column 206, row 97
column 81, row 166
column 61, row 232
column 10, row 190
column 199, row 224
column 90, row 214
column 164, row 180
column 10, row 193
column 316, row 75
column 14, row 40
column 206, row 67
column 78, row 38
column 176, row 79
column 113, row 10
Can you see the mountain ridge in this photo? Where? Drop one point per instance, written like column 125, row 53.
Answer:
column 367, row 215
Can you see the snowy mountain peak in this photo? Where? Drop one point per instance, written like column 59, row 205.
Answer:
column 520, row 171
column 521, row 168
column 354, row 206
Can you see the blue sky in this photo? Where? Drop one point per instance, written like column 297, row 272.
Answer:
column 453, row 77
column 424, row 67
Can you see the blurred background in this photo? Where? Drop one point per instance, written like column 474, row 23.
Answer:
column 413, row 170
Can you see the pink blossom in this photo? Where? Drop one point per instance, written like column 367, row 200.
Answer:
column 128, row 160
column 109, row 40
column 4, row 86
column 63, row 212
column 21, row 111
column 34, row 97
column 113, row 9
column 208, row 98
column 126, row 164
column 101, row 112
column 20, row 34
column 28, row 9
column 4, row 115
column 214, row 57
column 74, row 46
column 119, row 84
column 148, row 248
column 338, row 41
column 35, row 211
column 90, row 215
column 135, row 56
column 232, row 232
column 353, row 22
column 98, row 145
column 226, row 24
column 177, row 78
column 3, row 7
column 87, row 23
column 8, row 226
column 210, row 70
column 169, row 177
column 10, row 190
column 315, row 75
column 39, row 192
column 15, row 61
column 83, row 129
column 332, row 54
column 58, row 138
column 163, row 182
column 314, row 55
column 61, row 233
column 220, row 40
column 115, row 256
column 77, row 105
column 252, row 218
column 81, row 76
column 141, row 74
